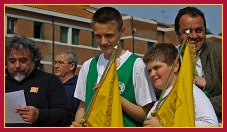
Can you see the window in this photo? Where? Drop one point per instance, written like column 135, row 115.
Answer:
column 149, row 45
column 75, row 36
column 38, row 30
column 122, row 43
column 41, row 67
column 94, row 44
column 64, row 35
column 11, row 22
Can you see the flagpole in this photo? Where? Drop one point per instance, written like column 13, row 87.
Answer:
column 171, row 72
column 83, row 120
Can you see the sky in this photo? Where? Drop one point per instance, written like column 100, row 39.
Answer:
column 167, row 13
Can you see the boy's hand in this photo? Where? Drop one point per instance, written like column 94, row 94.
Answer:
column 97, row 85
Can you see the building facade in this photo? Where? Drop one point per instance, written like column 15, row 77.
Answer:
column 56, row 28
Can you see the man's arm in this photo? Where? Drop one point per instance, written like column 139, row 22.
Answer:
column 59, row 111
column 79, row 115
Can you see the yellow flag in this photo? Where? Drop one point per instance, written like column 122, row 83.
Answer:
column 106, row 110
column 178, row 108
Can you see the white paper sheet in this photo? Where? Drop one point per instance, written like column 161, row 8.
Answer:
column 13, row 100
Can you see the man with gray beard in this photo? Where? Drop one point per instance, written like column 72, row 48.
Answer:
column 46, row 99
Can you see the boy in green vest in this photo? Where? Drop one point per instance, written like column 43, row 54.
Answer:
column 136, row 91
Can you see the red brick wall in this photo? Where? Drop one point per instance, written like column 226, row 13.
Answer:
column 143, row 30
column 215, row 40
column 48, row 31
column 22, row 27
column 85, row 38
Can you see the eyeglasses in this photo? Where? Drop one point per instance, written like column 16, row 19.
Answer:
column 60, row 63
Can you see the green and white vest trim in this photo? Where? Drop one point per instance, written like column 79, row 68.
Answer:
column 125, row 84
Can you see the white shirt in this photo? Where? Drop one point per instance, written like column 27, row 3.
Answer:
column 204, row 111
column 199, row 67
column 144, row 92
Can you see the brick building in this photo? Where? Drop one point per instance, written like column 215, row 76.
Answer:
column 56, row 28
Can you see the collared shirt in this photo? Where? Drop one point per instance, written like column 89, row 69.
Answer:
column 199, row 67
column 70, row 86
column 204, row 111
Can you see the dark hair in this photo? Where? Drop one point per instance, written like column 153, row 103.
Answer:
column 192, row 11
column 163, row 52
column 22, row 42
column 107, row 14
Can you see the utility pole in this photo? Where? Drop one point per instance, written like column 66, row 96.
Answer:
column 53, row 44
column 133, row 34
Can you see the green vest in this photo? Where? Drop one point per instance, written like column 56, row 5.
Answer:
column 125, row 83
